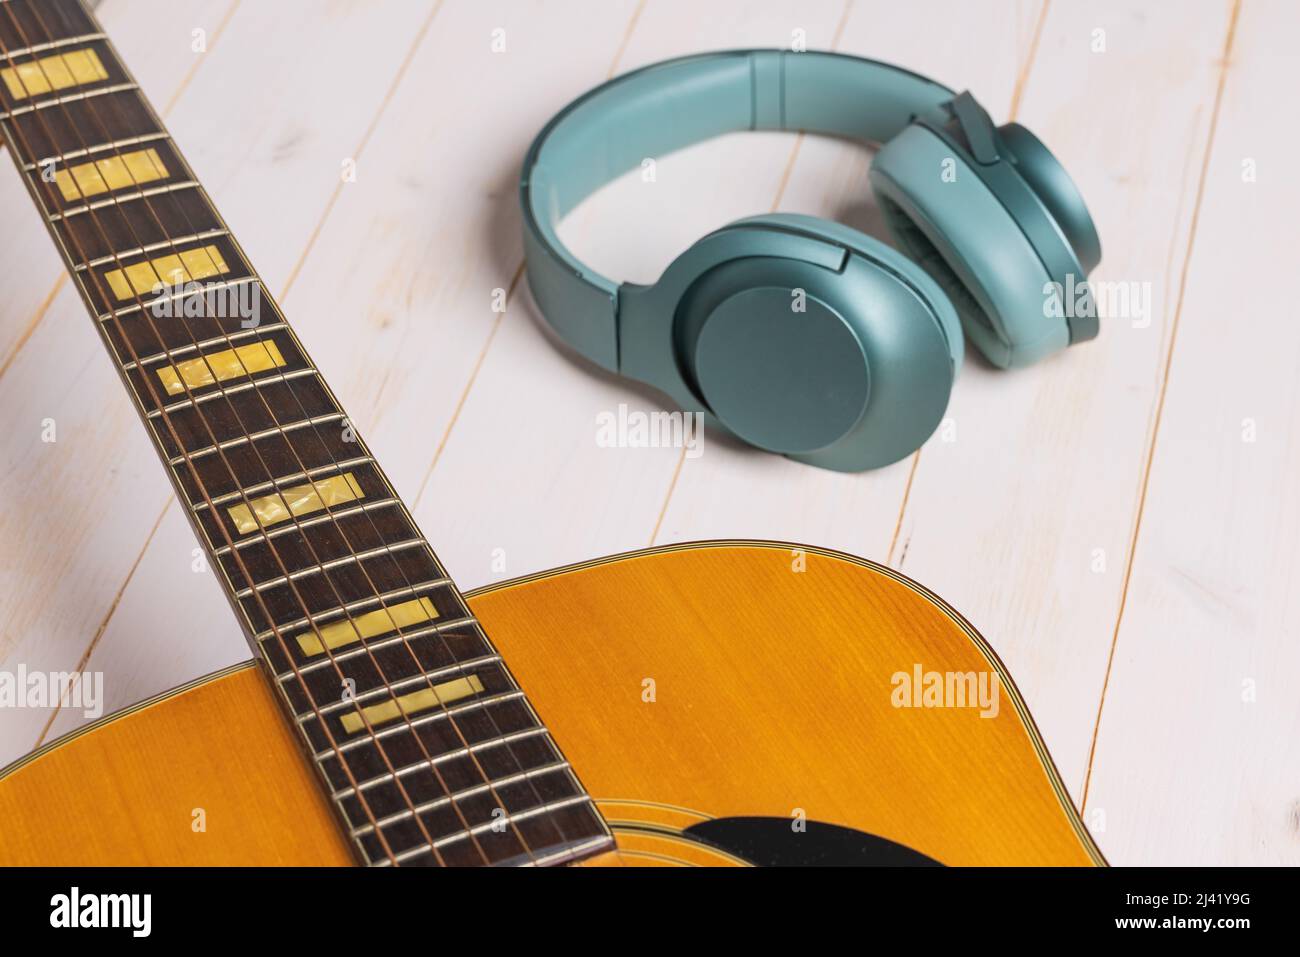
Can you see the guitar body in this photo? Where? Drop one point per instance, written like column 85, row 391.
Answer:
column 735, row 703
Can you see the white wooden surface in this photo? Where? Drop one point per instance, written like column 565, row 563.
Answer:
column 1121, row 522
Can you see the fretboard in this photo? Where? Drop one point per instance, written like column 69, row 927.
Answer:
column 422, row 738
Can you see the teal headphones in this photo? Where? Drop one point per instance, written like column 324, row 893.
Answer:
column 799, row 335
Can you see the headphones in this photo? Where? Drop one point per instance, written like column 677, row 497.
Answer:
column 799, row 335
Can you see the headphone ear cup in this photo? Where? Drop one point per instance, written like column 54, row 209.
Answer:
column 871, row 249
column 944, row 216
column 804, row 337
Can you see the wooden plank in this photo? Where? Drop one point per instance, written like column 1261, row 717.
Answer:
column 86, row 504
column 1198, row 753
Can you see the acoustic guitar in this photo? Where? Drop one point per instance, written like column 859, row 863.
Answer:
column 710, row 703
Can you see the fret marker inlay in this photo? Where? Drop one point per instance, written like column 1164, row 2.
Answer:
column 58, row 72
column 110, row 173
column 306, row 534
column 415, row 702
column 369, row 625
column 299, row 500
column 139, row 279
column 220, row 366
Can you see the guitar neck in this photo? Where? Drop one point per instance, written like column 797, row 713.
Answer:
column 424, row 741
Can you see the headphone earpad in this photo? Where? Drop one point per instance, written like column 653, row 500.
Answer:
column 956, row 229
column 808, row 338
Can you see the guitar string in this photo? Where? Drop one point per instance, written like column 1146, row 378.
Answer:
column 508, row 747
column 455, row 662
column 20, row 135
column 221, row 454
column 460, row 667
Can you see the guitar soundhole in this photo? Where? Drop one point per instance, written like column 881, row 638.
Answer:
column 773, row 842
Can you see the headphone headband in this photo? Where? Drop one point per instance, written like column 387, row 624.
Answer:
column 658, row 109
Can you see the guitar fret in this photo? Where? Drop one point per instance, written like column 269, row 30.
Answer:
column 152, row 247
column 234, row 390
column 507, row 819
column 335, row 563
column 156, row 219
column 204, row 344
column 382, row 572
column 206, row 369
column 51, row 45
column 201, row 316
column 175, row 296
column 254, row 436
column 413, row 745
column 330, row 575
column 122, row 198
column 405, row 654
column 460, row 668
column 262, row 414
column 416, row 722
column 341, row 612
column 480, row 760
column 148, row 277
column 68, row 98
column 369, row 649
column 60, row 70
column 483, row 788
column 109, row 174
column 59, row 158
column 575, row 850
column 242, row 494
column 408, row 769
column 428, row 776
column 266, row 535
column 382, row 583
column 81, row 117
